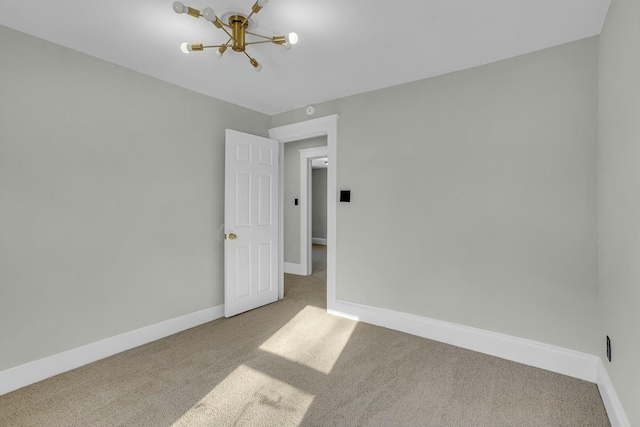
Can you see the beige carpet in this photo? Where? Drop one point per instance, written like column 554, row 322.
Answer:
column 291, row 364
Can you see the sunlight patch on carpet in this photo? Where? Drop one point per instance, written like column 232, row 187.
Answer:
column 312, row 338
column 250, row 398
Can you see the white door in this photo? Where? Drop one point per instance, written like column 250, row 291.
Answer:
column 251, row 222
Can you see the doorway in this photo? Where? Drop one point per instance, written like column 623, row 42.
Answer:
column 304, row 130
column 319, row 201
column 317, row 155
column 297, row 201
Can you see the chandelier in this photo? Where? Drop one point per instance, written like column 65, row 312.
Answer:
column 236, row 28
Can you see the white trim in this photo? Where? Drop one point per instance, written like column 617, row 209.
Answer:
column 38, row 370
column 328, row 126
column 306, row 156
column 540, row 355
column 281, row 221
column 615, row 411
column 292, row 268
column 319, row 241
column 552, row 358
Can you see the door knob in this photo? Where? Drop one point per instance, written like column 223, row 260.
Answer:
column 232, row 236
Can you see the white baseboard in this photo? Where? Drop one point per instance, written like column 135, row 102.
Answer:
column 551, row 358
column 319, row 241
column 38, row 370
column 292, row 268
column 617, row 416
column 532, row 353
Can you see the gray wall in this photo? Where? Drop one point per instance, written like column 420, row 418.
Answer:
column 619, row 200
column 319, row 203
column 474, row 196
column 292, row 192
column 111, row 194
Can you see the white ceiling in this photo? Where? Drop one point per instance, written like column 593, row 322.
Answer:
column 346, row 47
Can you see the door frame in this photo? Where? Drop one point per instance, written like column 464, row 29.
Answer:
column 306, row 206
column 322, row 126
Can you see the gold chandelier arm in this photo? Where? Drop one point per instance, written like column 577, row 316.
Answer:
column 225, row 30
column 258, row 35
column 217, row 45
column 255, row 64
column 251, row 59
column 260, row 42
column 217, row 23
column 250, row 15
column 257, row 7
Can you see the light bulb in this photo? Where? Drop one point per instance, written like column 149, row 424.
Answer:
column 220, row 51
column 179, row 7
column 185, row 48
column 292, row 38
column 262, row 3
column 209, row 14
column 287, row 45
column 256, row 65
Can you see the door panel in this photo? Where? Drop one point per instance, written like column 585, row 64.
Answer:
column 243, row 199
column 251, row 226
column 264, row 267
column 242, row 259
column 265, row 196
